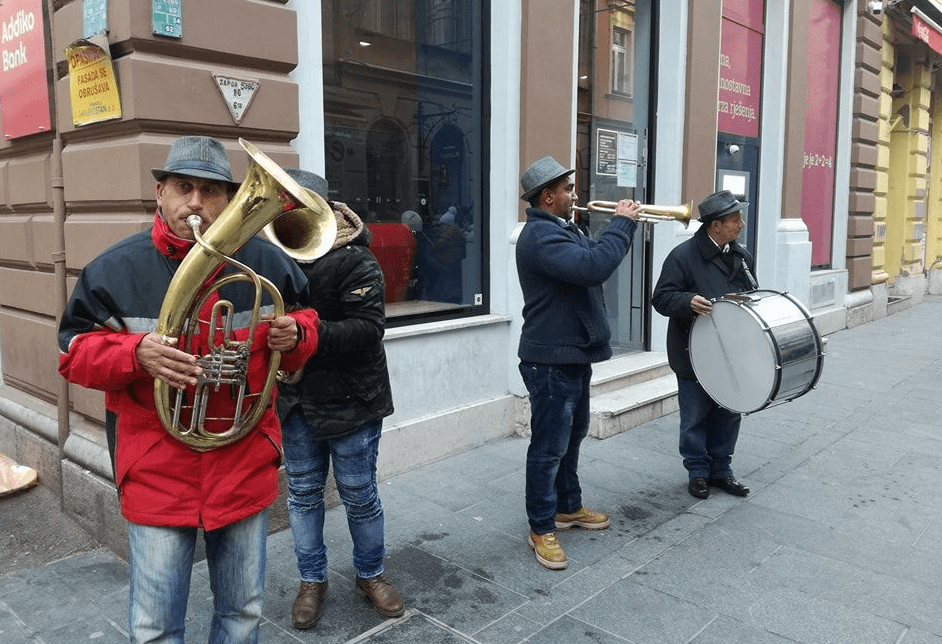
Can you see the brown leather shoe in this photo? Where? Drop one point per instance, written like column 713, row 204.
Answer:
column 382, row 594
column 306, row 609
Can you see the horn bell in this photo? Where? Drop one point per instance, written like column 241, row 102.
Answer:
column 305, row 233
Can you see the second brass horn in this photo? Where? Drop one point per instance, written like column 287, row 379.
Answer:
column 267, row 193
column 648, row 212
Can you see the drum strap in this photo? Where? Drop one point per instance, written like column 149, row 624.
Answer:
column 752, row 280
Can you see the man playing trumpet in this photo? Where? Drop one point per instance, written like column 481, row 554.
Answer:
column 565, row 330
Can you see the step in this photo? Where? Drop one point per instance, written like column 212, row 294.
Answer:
column 618, row 411
column 627, row 370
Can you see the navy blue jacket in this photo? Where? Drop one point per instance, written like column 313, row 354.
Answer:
column 695, row 267
column 561, row 273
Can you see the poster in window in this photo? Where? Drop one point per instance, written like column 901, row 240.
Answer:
column 817, row 176
column 738, row 99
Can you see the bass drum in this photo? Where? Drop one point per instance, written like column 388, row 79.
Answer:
column 756, row 349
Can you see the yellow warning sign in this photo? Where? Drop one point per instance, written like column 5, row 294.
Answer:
column 92, row 85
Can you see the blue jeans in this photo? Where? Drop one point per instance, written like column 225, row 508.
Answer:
column 354, row 459
column 708, row 432
column 161, row 562
column 559, row 420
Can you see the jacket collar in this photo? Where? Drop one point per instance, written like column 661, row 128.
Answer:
column 165, row 241
column 709, row 248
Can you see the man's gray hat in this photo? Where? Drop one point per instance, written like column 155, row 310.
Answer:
column 196, row 156
column 718, row 205
column 314, row 182
column 540, row 174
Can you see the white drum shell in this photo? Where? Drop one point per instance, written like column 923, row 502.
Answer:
column 756, row 349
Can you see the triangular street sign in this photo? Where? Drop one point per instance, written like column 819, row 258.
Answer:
column 237, row 93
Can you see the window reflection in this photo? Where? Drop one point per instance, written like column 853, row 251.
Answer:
column 403, row 133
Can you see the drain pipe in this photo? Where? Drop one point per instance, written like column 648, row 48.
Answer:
column 58, row 256
column 58, row 261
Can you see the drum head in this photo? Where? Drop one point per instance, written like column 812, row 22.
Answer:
column 733, row 357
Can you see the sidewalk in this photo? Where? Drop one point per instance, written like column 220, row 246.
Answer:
column 839, row 542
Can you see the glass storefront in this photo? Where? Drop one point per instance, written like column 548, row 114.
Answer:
column 613, row 145
column 405, row 134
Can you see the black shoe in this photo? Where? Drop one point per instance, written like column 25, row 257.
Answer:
column 698, row 488
column 730, row 486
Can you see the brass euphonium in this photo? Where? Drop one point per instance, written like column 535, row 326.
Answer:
column 266, row 194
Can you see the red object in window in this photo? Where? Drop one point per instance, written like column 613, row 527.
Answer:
column 394, row 248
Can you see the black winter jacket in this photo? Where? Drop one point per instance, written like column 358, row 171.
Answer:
column 346, row 383
column 695, row 267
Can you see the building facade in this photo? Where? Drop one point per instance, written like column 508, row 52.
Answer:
column 422, row 115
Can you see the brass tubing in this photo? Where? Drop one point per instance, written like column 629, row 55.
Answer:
column 648, row 212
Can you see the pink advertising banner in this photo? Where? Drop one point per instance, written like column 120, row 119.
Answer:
column 817, row 178
column 24, row 94
column 740, row 80
column 748, row 13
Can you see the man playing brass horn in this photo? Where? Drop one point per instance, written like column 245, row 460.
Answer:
column 167, row 489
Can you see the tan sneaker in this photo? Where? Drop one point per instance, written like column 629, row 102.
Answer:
column 548, row 551
column 583, row 518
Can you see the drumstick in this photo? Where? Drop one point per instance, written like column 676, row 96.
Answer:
column 719, row 337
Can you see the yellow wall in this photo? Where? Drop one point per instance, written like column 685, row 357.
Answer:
column 879, row 274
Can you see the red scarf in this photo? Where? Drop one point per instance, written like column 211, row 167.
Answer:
column 166, row 242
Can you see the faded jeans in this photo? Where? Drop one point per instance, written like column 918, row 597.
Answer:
column 161, row 563
column 354, row 460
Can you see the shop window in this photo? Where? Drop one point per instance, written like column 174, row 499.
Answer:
column 405, row 132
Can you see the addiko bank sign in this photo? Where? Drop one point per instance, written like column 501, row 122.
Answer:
column 24, row 95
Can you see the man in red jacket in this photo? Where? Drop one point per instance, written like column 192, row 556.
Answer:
column 167, row 489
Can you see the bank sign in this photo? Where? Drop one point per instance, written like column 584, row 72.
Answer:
column 24, row 94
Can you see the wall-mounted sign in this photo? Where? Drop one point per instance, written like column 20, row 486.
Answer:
column 167, row 18
column 92, row 85
column 617, row 156
column 237, row 94
column 24, row 94
column 94, row 17
column 924, row 31
column 606, row 155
